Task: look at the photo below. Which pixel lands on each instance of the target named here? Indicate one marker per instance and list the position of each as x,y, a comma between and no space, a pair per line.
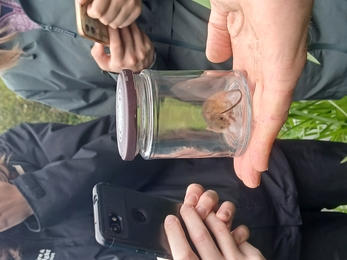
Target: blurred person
47,61
55,65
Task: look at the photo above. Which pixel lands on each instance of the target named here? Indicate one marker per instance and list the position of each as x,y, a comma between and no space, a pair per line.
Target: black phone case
130,220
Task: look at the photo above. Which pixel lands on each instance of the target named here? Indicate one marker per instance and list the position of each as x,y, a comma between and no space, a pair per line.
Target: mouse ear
208,115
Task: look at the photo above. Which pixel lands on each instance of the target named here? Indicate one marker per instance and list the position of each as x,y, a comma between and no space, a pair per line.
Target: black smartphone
131,220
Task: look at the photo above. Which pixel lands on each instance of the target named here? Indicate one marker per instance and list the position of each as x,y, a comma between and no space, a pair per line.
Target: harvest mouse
217,111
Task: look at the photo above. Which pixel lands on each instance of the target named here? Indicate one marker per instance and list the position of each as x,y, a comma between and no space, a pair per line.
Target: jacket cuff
31,191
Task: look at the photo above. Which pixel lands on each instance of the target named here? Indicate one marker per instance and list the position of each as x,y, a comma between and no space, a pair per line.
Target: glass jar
182,114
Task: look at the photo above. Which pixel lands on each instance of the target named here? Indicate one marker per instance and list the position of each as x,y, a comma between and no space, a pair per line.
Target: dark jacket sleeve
65,163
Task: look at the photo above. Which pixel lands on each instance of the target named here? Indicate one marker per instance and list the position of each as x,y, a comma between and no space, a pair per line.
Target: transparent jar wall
194,114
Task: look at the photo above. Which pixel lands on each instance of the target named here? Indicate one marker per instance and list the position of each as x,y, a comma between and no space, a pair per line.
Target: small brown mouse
217,111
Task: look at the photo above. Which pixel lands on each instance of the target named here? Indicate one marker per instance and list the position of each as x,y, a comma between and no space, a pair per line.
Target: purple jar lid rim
126,109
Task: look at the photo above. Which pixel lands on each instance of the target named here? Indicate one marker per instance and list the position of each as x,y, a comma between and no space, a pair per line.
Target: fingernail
225,213
202,212
170,219
192,200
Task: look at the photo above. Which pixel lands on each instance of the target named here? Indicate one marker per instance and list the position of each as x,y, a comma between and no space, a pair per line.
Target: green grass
14,110
320,120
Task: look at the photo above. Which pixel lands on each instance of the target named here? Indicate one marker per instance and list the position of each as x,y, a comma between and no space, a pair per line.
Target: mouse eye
221,127
221,118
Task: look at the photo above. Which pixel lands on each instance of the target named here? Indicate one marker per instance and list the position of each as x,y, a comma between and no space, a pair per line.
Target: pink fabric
17,20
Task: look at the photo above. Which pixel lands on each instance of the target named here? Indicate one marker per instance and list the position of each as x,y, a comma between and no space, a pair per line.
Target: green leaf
312,59
344,160
205,3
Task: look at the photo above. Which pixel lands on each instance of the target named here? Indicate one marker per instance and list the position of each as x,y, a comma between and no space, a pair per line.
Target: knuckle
185,211
120,64
114,24
200,237
142,54
132,61
220,228
96,12
137,10
104,21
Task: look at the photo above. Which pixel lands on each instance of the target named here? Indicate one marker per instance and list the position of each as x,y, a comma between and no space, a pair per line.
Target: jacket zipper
51,28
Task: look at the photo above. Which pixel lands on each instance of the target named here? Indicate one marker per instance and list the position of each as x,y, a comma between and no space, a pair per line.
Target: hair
8,58
4,172
8,253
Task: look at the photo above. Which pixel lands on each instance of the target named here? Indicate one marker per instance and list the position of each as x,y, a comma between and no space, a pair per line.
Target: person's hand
268,44
130,48
115,13
198,214
14,208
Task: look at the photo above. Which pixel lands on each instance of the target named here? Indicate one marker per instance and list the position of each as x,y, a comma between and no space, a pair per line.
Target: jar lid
126,107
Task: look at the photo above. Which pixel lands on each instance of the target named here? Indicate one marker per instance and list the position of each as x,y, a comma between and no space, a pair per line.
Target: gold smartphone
90,28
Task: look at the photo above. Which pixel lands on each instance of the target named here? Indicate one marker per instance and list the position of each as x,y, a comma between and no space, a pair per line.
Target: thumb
99,55
218,46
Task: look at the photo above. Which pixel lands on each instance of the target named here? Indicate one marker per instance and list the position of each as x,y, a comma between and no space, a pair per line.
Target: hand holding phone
130,48
90,28
115,13
131,220
200,220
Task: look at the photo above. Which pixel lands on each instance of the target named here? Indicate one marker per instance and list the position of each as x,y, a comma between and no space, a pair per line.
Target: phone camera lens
116,228
139,216
115,223
92,30
87,27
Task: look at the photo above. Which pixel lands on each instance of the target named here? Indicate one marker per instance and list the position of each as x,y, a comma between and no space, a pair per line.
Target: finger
223,237
127,15
148,50
218,46
130,58
272,113
208,202
240,234
98,8
226,213
99,55
109,62
179,245
199,234
137,38
114,10
244,170
248,250
193,193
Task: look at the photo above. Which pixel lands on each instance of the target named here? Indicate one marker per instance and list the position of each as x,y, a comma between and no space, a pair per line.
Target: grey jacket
58,70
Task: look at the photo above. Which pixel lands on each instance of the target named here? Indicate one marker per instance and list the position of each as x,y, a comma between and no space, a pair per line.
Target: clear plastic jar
182,114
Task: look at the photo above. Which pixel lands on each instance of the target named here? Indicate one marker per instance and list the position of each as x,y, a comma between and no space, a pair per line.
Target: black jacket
62,163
